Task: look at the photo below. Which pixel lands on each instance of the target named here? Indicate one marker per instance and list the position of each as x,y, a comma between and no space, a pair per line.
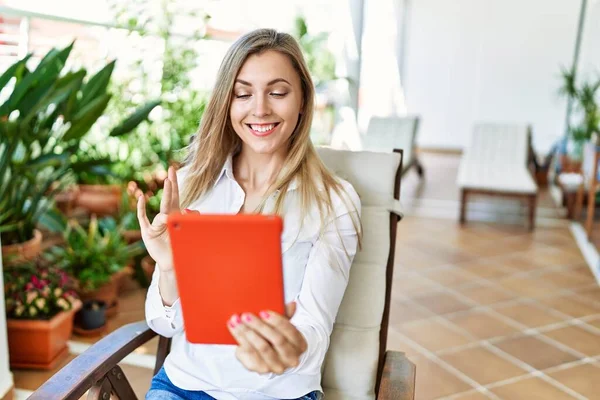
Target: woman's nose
261,107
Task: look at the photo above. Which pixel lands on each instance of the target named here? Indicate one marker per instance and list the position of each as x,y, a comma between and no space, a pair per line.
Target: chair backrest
354,360
387,133
502,145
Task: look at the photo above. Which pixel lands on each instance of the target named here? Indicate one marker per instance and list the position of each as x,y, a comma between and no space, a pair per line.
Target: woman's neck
256,172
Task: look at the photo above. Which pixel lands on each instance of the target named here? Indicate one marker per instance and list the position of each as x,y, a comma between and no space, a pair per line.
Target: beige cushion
350,368
496,160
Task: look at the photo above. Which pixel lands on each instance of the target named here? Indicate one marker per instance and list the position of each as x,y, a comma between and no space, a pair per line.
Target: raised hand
155,235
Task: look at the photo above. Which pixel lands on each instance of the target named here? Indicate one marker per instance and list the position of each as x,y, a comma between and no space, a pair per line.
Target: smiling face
266,102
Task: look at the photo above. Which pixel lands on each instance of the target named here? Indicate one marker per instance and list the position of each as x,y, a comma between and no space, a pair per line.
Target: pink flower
29,286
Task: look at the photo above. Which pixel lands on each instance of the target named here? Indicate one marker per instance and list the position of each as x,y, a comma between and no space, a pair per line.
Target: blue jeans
162,388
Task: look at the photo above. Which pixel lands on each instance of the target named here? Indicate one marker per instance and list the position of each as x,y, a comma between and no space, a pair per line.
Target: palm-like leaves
42,123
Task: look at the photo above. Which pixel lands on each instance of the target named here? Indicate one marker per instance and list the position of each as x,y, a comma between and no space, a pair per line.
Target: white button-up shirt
316,267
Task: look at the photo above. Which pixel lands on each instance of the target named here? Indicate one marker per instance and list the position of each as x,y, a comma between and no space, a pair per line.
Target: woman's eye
278,94
242,96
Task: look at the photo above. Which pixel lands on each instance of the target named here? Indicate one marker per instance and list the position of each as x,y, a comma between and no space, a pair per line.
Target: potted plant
95,258
583,122
46,115
40,306
91,317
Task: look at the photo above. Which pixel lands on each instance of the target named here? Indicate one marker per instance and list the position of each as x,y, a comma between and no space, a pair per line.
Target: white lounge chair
387,133
495,162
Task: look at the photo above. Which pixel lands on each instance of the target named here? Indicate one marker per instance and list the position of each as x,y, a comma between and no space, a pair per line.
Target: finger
287,352
290,309
165,202
261,345
175,189
141,214
286,328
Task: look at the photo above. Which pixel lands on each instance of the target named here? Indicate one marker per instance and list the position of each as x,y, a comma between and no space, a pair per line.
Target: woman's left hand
268,342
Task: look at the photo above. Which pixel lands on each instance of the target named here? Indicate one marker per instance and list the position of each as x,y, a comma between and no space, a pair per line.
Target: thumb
188,211
290,309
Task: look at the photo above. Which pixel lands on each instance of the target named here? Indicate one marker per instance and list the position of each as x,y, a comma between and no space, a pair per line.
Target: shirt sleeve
325,281
164,320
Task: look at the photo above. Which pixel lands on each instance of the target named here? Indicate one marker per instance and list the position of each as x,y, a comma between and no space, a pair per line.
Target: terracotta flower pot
19,252
40,344
99,199
148,265
66,201
106,293
132,236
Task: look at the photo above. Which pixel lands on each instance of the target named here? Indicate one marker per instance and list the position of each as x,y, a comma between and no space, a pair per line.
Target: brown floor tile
449,277
528,315
527,287
486,295
592,294
433,335
572,306
578,339
410,284
530,389
558,257
482,325
535,352
482,365
595,323
397,343
442,303
472,396
402,312
582,379
563,279
434,381
518,262
487,271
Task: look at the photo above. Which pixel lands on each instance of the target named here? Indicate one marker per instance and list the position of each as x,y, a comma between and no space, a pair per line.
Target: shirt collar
227,170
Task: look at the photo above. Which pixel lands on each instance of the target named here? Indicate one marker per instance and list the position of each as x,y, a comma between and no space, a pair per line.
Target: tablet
225,265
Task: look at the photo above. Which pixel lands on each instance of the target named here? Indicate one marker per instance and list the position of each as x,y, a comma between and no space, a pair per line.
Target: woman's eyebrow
274,81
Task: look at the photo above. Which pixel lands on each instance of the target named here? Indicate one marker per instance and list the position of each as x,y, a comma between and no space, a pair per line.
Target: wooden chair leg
463,205
532,208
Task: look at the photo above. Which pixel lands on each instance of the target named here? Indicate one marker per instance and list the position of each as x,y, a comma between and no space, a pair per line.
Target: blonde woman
253,154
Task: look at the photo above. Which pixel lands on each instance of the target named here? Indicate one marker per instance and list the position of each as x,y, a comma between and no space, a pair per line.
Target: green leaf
97,84
11,71
86,117
49,160
47,71
54,221
131,122
56,94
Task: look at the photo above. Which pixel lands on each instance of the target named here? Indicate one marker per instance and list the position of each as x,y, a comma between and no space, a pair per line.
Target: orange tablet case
225,265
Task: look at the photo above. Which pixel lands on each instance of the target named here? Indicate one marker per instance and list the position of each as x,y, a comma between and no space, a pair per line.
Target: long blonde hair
216,138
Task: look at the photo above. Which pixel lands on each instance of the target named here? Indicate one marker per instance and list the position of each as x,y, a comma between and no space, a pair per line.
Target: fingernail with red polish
264,314
231,324
237,319
248,318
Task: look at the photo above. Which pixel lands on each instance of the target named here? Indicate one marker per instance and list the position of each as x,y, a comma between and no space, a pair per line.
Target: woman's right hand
155,234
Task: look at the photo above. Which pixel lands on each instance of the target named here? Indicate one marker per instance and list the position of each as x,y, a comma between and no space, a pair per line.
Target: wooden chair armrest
75,378
398,378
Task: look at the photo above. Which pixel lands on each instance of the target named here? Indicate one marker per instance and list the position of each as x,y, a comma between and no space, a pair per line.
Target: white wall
6,380
493,60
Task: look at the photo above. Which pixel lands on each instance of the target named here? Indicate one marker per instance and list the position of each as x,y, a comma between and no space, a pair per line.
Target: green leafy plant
37,291
320,61
43,123
94,254
158,145
586,113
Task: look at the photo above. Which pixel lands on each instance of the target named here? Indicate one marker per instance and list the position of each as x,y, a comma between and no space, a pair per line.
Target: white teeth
262,128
